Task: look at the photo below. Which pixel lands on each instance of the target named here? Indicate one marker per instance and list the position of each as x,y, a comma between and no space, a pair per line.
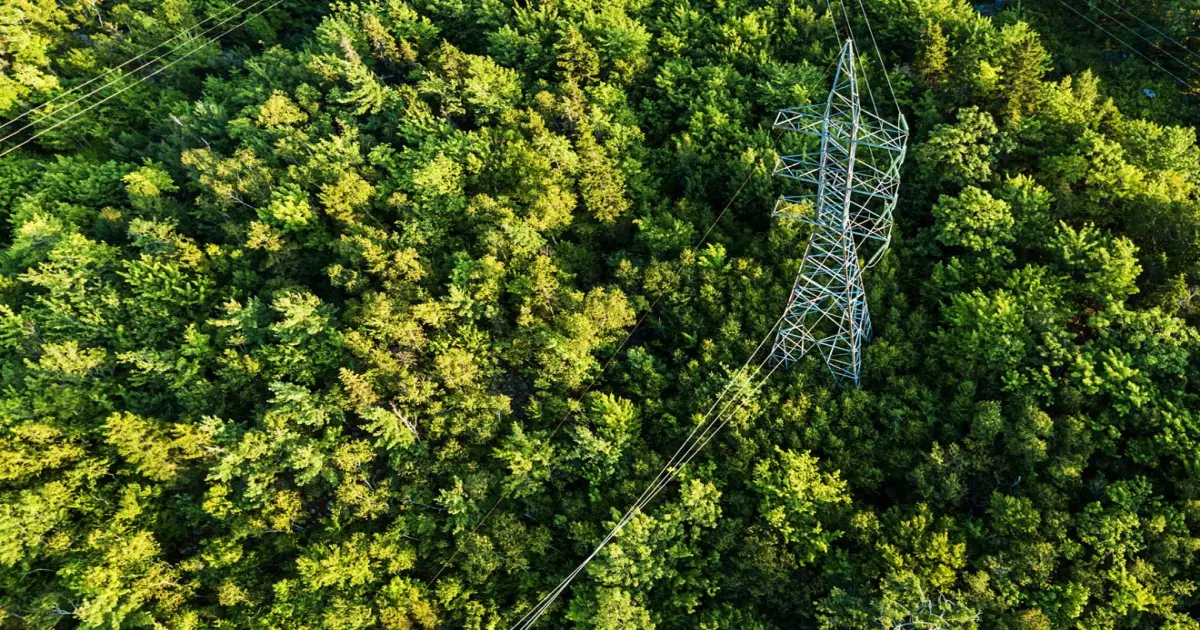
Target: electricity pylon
857,174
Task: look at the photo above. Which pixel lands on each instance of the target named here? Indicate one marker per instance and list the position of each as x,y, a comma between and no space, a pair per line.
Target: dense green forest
287,323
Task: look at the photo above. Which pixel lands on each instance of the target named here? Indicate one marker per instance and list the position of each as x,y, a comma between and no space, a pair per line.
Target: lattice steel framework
856,171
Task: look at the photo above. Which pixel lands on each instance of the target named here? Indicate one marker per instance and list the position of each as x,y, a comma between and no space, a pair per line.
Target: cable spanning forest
290,319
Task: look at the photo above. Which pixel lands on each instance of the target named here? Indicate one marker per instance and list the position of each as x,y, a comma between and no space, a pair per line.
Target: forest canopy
326,322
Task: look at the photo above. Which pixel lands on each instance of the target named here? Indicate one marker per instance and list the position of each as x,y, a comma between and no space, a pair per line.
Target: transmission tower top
864,148
856,171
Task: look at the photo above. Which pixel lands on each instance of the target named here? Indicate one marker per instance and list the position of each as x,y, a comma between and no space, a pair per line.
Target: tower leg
827,311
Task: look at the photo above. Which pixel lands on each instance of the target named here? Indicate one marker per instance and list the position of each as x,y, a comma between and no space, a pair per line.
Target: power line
854,38
504,495
1106,32
837,35
846,18
538,611
114,69
664,477
879,54
683,456
120,78
1183,63
1153,28
136,83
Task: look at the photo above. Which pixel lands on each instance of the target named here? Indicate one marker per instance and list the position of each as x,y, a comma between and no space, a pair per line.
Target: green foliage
975,221
796,499
326,324
961,153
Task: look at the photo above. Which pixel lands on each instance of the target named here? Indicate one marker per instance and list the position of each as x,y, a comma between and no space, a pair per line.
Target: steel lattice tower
856,171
